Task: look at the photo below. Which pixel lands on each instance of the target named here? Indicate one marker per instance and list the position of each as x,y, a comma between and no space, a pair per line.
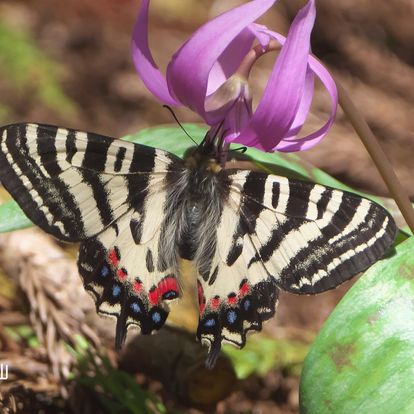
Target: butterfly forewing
73,184
311,238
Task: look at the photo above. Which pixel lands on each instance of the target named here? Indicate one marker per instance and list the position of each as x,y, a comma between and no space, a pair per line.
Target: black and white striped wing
275,232
74,184
85,187
311,238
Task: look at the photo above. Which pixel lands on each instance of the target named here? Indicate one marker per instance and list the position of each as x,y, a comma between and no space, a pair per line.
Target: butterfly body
136,210
195,198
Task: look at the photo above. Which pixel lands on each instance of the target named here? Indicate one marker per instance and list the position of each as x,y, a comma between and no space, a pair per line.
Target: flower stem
378,156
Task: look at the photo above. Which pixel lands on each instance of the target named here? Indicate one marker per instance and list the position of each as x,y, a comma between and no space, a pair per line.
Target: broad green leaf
173,139
362,361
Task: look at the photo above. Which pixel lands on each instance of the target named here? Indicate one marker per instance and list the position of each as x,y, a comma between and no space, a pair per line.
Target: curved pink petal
188,72
301,144
290,143
144,62
304,105
261,33
281,99
230,60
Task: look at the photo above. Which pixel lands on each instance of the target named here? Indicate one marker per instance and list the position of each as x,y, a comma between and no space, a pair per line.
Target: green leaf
363,358
261,354
12,217
173,139
20,333
115,390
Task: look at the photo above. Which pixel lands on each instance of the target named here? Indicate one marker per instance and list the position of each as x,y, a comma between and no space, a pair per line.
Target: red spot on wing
167,284
201,297
154,296
244,289
200,292
113,257
122,274
232,299
215,303
137,287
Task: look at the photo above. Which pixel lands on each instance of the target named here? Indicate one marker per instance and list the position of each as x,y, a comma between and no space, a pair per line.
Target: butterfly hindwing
273,233
234,298
125,278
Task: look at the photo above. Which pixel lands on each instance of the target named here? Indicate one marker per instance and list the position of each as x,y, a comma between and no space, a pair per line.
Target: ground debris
58,304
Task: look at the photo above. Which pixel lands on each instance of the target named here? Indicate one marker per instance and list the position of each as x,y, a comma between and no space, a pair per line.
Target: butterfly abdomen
194,204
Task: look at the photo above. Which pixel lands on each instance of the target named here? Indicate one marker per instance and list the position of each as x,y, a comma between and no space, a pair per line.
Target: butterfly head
199,160
211,154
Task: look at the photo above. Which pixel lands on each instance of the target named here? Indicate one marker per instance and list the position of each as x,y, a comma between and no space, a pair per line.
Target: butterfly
136,210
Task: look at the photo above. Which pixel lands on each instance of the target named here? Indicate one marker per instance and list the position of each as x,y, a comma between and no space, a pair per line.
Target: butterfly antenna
179,123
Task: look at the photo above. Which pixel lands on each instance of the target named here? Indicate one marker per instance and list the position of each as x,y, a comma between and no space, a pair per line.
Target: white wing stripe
117,195
358,218
315,196
154,204
31,141
81,142
268,194
283,195
337,261
35,196
84,198
111,160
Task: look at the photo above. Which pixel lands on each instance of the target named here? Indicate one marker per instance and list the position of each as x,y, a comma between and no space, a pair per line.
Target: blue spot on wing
116,290
209,323
135,307
104,271
246,304
171,294
231,316
156,317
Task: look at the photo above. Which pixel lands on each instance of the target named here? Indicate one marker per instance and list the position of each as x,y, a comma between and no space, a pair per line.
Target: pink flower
209,73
